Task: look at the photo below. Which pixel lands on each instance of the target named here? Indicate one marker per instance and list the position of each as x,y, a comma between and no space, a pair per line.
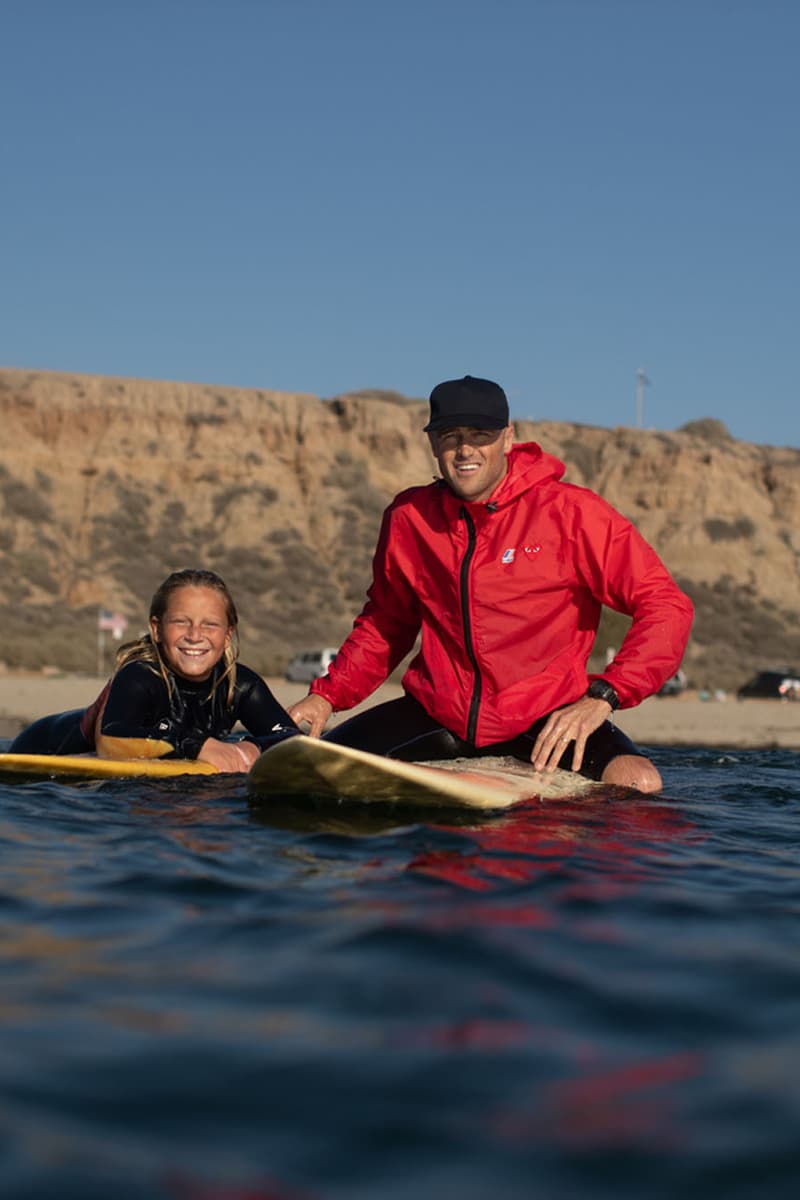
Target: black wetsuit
403,729
140,706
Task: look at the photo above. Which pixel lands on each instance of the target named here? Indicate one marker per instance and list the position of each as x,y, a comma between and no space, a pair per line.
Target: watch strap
601,689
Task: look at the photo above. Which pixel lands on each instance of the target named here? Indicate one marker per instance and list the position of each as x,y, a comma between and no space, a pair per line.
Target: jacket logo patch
532,549
508,556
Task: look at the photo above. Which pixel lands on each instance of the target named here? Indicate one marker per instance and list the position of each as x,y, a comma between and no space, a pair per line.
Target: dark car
676,684
771,685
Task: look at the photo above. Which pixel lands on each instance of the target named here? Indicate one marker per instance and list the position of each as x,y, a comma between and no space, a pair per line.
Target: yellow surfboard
88,766
303,766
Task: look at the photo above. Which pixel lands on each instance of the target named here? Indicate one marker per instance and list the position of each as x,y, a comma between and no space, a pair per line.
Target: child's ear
154,629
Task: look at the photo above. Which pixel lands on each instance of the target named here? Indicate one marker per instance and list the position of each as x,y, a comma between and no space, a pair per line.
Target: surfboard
88,766
304,766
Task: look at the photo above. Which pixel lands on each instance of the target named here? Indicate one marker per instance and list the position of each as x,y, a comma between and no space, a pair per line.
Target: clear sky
325,195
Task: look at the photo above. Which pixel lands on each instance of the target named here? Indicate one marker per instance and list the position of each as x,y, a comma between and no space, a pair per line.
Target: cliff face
108,484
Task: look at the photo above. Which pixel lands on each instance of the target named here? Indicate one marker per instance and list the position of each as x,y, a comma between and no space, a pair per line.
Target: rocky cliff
108,484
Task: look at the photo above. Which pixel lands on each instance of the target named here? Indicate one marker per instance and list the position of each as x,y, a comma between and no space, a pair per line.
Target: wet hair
145,649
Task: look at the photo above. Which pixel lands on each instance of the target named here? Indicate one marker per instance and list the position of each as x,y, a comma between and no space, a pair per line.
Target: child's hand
228,756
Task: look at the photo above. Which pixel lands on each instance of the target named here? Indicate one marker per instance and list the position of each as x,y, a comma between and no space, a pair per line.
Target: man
504,569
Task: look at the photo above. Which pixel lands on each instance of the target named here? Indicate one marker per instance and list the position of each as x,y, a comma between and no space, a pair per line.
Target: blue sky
325,195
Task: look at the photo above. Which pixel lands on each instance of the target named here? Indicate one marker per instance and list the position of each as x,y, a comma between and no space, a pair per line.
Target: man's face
472,461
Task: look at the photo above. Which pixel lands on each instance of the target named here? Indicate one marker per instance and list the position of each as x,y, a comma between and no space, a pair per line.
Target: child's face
194,631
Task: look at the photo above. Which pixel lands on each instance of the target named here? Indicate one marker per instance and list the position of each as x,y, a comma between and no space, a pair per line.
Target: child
177,692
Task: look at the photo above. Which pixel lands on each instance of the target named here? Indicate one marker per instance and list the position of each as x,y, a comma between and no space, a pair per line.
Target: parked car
309,665
673,686
772,685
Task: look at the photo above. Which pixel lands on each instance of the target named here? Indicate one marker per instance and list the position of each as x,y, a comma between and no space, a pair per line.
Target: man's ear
508,439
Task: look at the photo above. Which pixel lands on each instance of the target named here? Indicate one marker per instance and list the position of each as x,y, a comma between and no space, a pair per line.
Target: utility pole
641,383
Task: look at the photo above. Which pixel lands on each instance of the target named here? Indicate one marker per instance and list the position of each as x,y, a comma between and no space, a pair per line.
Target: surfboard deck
303,766
88,766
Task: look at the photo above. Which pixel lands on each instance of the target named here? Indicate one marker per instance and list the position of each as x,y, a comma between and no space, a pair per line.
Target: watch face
599,690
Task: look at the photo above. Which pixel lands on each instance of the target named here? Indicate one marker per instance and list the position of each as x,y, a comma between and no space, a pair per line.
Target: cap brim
467,420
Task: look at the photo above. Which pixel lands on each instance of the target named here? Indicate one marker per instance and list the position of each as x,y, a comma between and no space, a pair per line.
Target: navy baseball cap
477,403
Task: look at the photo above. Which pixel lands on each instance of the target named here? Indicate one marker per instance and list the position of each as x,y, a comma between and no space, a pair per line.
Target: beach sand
672,721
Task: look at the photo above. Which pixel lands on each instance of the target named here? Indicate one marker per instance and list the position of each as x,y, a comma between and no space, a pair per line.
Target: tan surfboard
303,766
88,766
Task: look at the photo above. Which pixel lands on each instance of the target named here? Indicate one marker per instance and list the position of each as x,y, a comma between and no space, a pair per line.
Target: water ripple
209,998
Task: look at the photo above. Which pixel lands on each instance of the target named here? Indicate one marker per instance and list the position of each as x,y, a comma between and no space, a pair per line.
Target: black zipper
475,702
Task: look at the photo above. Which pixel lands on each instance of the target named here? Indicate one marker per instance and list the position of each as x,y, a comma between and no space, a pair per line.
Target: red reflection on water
536,839
475,872
265,1189
473,1033
610,1108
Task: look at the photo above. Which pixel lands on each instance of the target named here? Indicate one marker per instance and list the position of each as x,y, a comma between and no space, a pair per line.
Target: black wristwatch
598,689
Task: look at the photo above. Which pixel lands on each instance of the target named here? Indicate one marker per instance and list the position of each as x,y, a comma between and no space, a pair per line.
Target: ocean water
203,997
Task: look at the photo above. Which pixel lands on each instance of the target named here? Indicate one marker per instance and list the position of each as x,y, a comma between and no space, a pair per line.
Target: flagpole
101,644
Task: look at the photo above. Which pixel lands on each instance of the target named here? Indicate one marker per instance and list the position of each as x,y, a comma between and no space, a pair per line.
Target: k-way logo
509,555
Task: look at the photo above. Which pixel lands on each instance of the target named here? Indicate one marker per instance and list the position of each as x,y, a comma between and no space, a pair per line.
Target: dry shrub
708,428
24,502
736,632
45,636
720,530
33,568
586,458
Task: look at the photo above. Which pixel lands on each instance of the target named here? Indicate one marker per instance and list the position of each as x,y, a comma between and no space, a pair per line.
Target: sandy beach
675,721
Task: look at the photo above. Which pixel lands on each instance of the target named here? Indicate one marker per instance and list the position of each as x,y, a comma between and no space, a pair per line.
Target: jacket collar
528,466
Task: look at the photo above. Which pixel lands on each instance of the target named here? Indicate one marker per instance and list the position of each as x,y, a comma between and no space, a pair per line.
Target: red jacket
507,595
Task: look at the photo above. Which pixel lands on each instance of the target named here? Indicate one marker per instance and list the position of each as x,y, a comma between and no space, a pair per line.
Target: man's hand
571,724
228,756
313,711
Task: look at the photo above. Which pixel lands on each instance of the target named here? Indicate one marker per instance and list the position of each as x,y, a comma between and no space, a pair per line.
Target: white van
309,665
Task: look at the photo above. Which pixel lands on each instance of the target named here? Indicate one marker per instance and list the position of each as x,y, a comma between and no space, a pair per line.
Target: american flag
115,623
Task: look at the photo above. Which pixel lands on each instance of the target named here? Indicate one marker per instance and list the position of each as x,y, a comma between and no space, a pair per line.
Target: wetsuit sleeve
265,720
383,633
136,719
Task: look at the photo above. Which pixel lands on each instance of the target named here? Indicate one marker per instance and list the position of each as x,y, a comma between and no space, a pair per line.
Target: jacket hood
528,466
